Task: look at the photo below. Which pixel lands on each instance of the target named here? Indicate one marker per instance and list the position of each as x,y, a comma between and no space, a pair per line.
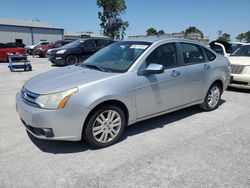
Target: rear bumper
241,81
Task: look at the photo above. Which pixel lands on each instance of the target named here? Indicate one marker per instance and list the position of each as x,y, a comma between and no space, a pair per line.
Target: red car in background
6,49
42,50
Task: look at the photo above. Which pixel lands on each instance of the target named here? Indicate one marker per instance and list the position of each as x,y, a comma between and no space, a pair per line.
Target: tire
212,99
100,130
71,60
29,68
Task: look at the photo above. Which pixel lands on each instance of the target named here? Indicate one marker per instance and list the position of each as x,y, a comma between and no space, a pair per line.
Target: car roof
95,38
160,39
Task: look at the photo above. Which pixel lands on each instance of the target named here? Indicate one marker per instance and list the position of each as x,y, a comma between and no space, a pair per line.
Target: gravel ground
187,148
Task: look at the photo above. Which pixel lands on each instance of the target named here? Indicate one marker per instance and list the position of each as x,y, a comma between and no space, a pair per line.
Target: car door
157,93
88,48
100,43
196,72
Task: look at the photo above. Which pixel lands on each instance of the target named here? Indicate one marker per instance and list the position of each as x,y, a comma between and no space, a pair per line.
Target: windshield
242,51
74,44
235,46
117,57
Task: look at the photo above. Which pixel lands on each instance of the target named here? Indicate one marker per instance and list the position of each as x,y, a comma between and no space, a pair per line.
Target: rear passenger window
89,44
192,53
210,55
101,43
164,55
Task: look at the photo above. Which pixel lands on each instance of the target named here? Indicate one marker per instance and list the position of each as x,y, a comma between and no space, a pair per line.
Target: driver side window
165,55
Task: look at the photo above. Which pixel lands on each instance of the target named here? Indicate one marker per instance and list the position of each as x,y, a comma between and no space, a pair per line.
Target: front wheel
71,60
212,98
105,126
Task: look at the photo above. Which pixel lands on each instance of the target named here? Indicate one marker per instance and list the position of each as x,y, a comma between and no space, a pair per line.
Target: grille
29,97
237,69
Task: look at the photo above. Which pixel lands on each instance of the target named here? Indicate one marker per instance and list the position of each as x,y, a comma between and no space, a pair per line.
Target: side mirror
151,69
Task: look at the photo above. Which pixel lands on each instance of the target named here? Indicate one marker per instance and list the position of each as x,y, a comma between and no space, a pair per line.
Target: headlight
55,100
61,51
247,70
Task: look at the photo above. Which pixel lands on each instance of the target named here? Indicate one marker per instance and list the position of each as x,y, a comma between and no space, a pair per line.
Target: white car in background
30,48
240,67
225,48
236,45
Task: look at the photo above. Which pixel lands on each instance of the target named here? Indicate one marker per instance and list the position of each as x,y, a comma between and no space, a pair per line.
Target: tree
244,36
224,37
193,29
151,32
219,33
240,36
111,22
247,36
161,32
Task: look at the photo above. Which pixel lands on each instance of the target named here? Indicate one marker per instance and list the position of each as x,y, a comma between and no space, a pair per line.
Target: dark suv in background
77,51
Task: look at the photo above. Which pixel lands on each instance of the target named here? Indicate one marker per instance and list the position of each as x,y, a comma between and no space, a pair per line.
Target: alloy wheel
106,126
213,96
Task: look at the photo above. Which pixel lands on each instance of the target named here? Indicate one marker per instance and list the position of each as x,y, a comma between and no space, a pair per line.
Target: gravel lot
187,148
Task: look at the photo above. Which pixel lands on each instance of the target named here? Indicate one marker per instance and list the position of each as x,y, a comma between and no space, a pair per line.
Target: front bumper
57,60
241,81
62,124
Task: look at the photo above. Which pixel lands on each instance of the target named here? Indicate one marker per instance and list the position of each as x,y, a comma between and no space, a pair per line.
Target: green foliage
240,36
111,22
152,32
247,36
224,37
244,36
193,29
161,32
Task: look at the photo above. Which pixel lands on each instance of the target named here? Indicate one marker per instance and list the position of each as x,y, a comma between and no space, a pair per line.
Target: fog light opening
48,133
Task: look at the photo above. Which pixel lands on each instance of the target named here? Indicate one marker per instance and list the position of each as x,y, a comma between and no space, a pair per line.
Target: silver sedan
124,83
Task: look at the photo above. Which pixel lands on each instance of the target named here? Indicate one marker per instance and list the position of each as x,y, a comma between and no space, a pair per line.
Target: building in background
81,35
28,32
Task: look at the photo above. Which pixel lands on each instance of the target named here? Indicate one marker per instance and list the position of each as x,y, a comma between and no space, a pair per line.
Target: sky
210,16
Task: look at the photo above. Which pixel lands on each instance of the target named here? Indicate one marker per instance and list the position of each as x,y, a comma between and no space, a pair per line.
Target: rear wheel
71,60
105,126
212,98
41,55
28,68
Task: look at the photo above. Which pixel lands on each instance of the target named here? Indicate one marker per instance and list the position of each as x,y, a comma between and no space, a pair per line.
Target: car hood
239,60
65,78
64,48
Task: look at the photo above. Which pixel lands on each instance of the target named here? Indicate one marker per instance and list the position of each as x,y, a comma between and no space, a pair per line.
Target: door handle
175,73
206,66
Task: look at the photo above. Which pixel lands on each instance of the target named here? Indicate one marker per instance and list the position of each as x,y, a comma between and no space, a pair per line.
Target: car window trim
203,48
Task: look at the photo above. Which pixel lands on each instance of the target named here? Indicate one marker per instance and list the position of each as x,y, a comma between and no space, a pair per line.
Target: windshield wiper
94,66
